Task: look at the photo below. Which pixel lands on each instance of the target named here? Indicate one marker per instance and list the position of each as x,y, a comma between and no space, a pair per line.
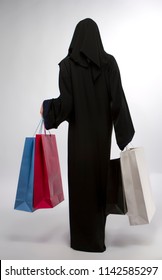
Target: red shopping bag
48,191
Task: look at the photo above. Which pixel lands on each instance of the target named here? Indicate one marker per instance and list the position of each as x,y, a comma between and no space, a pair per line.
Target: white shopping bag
139,199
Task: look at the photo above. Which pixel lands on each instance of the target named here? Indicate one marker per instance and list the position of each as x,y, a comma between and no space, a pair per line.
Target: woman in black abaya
92,101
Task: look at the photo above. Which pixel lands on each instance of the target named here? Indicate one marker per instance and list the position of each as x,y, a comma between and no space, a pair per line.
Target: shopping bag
139,199
24,195
115,196
48,191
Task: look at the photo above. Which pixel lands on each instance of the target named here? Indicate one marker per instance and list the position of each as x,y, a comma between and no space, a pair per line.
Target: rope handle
41,128
129,147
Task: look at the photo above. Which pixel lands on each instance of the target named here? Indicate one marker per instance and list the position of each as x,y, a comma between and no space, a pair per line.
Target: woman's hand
41,110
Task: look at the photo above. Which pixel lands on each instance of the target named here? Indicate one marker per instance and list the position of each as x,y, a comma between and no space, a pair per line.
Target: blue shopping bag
24,195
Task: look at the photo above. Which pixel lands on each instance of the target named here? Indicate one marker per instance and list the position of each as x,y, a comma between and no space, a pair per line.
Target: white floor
44,234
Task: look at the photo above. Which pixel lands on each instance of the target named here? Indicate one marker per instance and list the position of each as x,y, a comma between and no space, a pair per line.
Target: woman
92,101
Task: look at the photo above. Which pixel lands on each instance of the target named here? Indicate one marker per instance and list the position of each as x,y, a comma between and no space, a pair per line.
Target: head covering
86,46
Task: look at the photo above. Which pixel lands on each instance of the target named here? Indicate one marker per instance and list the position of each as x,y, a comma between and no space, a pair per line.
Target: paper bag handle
41,128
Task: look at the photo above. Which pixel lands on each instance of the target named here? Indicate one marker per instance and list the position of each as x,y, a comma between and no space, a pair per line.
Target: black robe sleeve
123,126
57,110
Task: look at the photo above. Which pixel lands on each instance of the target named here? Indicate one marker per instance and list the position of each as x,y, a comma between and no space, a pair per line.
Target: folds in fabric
50,109
24,195
86,47
60,109
115,196
122,121
48,191
140,203
123,126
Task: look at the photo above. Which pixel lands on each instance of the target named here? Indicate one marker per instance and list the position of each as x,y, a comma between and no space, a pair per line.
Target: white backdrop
35,36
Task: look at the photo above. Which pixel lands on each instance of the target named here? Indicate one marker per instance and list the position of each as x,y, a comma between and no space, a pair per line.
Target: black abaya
91,100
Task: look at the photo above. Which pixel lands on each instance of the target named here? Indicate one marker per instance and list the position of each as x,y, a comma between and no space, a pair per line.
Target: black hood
86,46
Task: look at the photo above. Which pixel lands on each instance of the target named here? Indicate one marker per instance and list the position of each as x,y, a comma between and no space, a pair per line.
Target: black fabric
115,196
91,104
86,46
